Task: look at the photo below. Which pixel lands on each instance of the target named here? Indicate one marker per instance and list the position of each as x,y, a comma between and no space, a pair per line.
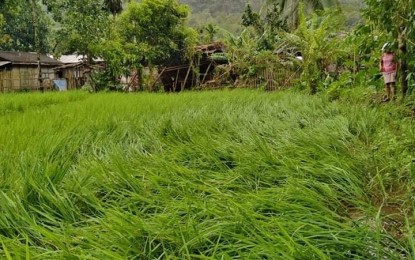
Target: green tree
22,25
319,45
155,30
397,19
113,51
3,35
266,27
211,30
82,26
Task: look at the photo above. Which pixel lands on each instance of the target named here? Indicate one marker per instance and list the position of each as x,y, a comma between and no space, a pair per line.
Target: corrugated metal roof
70,59
73,58
4,63
26,58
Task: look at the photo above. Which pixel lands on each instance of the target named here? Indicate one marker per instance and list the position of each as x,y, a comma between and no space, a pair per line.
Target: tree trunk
89,59
403,66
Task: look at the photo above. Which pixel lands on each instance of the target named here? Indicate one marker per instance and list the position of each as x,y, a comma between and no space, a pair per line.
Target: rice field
212,175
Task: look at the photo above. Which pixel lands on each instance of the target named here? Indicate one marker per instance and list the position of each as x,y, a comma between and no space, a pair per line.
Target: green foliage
316,39
389,16
319,44
113,52
291,8
103,80
155,30
397,20
207,33
279,175
251,18
266,28
83,25
3,35
19,29
252,52
361,65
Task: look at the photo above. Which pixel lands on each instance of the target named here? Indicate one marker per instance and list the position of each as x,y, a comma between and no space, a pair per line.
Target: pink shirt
388,62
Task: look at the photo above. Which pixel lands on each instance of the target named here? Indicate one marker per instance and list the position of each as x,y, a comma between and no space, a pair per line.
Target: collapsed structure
196,71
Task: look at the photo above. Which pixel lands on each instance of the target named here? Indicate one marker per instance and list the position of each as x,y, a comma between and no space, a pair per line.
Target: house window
45,74
77,73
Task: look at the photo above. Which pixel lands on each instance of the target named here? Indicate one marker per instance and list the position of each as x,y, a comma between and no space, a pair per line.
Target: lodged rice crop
211,175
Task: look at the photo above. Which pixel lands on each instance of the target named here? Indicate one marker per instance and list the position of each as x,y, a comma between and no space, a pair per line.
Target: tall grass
214,175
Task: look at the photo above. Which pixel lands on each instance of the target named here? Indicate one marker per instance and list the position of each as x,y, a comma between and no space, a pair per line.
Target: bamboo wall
25,78
74,77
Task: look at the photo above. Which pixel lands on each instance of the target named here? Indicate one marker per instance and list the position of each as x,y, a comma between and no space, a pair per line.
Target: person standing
388,68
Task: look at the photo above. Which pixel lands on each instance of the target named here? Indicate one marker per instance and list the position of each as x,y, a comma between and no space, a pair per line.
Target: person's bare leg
392,90
388,91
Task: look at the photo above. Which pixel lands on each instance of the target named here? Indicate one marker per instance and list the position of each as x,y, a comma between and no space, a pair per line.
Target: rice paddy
213,175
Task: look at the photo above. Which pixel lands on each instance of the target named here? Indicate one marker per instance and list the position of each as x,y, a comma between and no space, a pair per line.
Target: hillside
227,14
220,6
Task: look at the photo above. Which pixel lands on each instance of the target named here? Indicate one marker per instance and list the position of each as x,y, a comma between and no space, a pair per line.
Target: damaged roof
211,48
26,58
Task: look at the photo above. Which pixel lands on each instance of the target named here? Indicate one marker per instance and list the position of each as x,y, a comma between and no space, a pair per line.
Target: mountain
224,13
227,13
221,6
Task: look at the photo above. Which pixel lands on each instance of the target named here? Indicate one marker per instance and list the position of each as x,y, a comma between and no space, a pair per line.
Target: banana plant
318,42
290,8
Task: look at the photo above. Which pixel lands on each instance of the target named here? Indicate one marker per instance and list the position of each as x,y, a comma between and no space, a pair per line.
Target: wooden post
206,72
187,75
175,81
158,77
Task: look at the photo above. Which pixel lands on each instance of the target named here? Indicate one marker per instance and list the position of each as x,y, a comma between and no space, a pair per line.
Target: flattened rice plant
213,175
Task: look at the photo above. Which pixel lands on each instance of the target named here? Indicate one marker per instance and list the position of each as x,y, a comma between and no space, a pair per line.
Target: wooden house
19,71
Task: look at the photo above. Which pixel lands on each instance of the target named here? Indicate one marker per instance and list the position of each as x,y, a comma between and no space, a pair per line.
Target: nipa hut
19,71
